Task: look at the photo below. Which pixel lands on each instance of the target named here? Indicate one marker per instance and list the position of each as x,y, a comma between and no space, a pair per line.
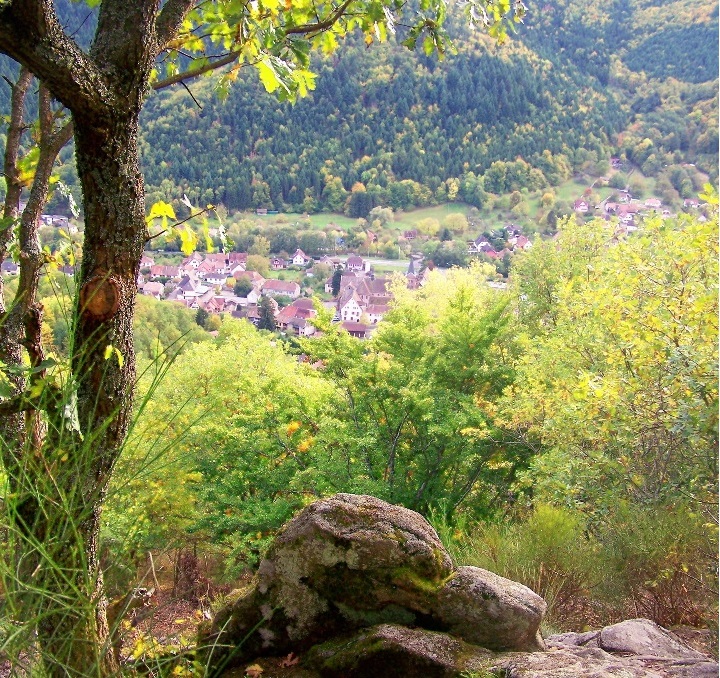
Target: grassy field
405,221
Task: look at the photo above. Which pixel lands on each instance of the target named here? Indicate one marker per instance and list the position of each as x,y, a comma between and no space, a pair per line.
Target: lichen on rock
353,561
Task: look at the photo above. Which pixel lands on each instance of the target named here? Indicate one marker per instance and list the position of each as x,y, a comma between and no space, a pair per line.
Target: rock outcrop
389,649
358,588
353,562
636,648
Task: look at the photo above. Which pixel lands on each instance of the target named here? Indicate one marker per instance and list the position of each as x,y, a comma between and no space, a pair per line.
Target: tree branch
169,20
304,29
31,34
194,73
12,151
320,26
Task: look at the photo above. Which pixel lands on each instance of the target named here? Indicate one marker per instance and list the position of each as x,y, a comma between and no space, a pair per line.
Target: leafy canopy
277,37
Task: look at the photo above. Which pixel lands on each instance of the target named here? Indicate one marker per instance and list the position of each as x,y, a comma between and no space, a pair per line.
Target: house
691,203
359,330
213,304
488,250
160,271
188,288
193,261
57,220
301,327
300,258
154,289
355,263
237,258
253,276
653,203
334,262
479,245
372,287
523,243
210,266
277,264
581,206
9,267
275,288
217,278
629,209
349,306
376,312
146,261
410,235
295,317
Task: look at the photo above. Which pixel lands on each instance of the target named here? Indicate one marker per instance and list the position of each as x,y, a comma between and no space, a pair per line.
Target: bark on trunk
62,485
72,639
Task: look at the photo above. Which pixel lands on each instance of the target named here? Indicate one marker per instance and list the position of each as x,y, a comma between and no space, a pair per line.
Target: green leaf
6,390
268,76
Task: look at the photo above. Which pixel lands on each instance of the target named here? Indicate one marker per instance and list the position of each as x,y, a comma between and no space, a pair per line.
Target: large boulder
636,648
645,638
352,562
488,610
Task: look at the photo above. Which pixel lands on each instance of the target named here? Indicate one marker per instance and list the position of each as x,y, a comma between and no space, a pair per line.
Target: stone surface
351,562
644,637
392,650
592,662
488,610
586,639
636,648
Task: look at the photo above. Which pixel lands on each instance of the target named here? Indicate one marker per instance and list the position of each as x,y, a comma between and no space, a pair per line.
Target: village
209,281
220,283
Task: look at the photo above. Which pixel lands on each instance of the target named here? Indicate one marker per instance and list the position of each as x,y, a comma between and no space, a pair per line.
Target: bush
549,553
663,560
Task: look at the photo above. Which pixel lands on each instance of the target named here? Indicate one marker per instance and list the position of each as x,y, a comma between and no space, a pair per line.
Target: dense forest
576,84
568,91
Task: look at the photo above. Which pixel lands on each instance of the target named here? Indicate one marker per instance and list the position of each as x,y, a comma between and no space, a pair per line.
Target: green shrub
549,553
663,560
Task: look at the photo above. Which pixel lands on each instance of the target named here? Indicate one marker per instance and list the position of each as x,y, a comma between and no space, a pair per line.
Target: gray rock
396,651
589,638
636,648
344,563
352,562
592,662
645,637
488,610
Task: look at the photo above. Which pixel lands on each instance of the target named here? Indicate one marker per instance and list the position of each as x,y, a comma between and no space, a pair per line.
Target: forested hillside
577,84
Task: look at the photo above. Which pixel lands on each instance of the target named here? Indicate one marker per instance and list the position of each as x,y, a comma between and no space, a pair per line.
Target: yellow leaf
268,77
254,671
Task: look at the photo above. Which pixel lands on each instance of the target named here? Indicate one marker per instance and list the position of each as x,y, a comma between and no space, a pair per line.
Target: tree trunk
103,365
59,487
